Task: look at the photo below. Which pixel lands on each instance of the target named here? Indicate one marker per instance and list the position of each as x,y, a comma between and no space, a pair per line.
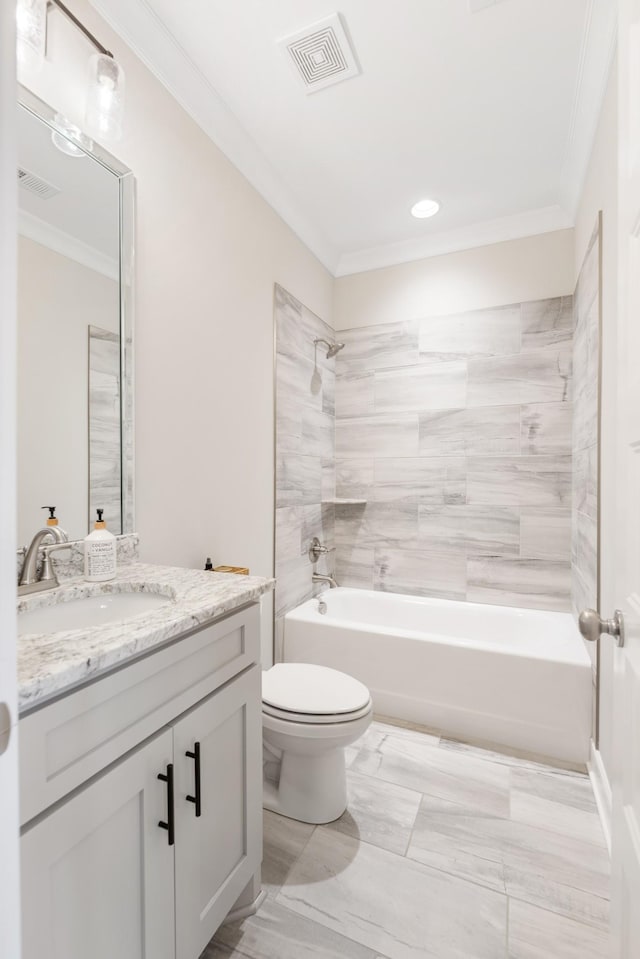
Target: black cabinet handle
197,799
170,824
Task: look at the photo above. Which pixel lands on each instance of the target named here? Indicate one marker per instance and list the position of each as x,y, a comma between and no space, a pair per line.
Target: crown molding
152,43
545,220
596,58
60,242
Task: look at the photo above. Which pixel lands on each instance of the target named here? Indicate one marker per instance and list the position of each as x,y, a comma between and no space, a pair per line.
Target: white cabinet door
218,851
97,873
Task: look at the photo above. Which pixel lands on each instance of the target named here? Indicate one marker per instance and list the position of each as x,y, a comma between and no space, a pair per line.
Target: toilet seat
291,717
307,693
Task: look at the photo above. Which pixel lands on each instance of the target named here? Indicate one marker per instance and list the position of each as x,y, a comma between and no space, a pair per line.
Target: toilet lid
311,689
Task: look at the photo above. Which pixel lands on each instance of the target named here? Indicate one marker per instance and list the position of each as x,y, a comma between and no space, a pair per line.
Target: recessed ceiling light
425,208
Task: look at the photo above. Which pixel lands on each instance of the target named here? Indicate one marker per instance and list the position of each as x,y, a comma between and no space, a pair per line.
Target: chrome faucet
320,578
29,581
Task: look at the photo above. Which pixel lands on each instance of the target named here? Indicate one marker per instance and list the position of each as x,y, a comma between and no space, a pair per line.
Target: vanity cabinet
146,858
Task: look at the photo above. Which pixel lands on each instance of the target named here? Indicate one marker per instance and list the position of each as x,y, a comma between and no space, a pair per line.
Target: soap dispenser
52,519
99,553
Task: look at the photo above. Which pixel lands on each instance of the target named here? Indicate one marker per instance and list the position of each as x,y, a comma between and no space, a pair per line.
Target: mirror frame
126,193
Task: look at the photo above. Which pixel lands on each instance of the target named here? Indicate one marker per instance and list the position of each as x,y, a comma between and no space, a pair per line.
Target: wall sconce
105,92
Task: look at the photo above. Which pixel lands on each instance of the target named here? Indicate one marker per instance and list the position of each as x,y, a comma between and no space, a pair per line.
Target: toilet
309,715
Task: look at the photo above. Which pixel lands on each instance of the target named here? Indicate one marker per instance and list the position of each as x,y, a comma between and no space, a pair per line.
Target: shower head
335,348
332,348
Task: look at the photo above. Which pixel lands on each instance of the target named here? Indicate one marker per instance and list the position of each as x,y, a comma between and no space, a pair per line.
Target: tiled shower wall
305,451
586,363
457,432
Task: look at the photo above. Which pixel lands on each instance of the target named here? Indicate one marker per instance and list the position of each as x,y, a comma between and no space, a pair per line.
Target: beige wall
56,297
208,251
535,268
599,193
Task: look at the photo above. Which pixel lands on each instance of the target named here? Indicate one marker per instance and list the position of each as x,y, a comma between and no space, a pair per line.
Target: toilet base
312,789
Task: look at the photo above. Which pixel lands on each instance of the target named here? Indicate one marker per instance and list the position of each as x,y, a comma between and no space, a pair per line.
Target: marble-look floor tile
519,480
547,323
539,377
558,897
557,785
437,479
378,812
475,530
438,773
545,533
434,386
515,758
488,332
381,728
420,572
546,428
277,932
431,915
283,842
488,430
538,934
531,583
461,828
556,816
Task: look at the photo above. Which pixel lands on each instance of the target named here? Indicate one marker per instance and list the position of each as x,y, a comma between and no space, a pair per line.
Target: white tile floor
445,851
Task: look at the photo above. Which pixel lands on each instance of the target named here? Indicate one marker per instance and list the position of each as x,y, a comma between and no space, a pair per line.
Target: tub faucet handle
316,550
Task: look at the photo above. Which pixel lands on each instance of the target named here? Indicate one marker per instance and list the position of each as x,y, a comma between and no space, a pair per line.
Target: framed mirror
75,327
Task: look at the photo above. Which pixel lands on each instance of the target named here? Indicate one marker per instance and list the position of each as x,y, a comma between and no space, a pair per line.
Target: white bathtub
514,677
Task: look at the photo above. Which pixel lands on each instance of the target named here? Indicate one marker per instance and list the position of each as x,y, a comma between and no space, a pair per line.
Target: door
626,772
97,872
217,755
9,822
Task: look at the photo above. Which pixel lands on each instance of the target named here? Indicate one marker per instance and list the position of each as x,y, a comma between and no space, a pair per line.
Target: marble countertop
53,663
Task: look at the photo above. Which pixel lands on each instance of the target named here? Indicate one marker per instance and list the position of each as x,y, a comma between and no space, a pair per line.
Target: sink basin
98,610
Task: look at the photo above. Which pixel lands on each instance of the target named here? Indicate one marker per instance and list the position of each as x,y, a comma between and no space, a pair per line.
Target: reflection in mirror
74,330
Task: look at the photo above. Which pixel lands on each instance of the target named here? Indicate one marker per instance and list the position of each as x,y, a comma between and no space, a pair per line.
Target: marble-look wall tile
532,583
540,377
305,448
483,430
354,477
472,423
420,572
519,480
545,534
391,524
355,394
379,347
546,428
492,332
547,323
355,566
380,435
440,479
435,386
475,530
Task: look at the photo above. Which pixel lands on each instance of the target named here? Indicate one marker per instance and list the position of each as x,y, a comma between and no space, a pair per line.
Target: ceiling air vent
321,54
35,184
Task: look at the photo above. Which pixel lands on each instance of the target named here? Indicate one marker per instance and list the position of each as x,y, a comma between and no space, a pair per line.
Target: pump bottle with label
99,553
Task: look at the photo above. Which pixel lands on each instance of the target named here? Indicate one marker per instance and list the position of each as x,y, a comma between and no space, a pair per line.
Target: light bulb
425,208
31,32
69,138
105,98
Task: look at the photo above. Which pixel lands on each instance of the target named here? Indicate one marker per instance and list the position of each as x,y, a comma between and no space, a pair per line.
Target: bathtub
519,678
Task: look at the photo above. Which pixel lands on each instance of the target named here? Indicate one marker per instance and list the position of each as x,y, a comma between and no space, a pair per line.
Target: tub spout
319,578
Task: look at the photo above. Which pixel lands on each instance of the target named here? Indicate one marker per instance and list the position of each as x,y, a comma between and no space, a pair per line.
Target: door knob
591,626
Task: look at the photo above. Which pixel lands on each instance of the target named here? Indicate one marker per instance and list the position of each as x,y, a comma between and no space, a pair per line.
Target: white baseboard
602,792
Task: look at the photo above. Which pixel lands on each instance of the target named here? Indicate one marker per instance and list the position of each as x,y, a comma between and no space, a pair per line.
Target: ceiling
488,106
